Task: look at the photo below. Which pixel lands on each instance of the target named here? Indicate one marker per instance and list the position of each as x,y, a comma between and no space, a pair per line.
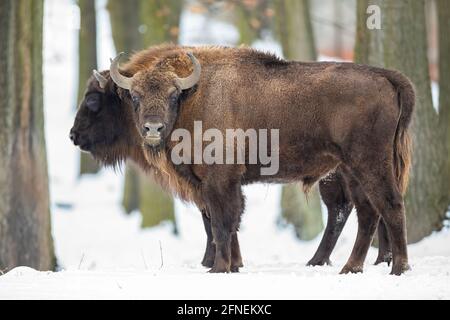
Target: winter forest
71,227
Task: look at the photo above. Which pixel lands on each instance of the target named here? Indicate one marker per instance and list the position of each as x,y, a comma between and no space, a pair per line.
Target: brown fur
329,115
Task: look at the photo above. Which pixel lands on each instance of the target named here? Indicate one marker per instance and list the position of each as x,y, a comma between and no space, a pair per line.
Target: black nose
73,136
153,128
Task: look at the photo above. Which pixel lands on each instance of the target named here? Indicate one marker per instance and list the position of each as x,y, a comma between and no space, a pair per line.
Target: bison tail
402,158
402,141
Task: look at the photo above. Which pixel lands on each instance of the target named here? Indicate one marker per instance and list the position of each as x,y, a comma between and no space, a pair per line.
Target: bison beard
358,152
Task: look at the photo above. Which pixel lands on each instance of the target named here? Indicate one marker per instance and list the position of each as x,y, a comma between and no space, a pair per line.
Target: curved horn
120,80
190,81
102,81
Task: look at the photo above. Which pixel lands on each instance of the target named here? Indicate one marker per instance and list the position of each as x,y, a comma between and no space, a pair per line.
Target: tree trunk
425,201
246,33
369,43
25,229
124,16
295,30
87,52
252,18
302,211
132,27
155,204
296,36
402,44
443,9
160,21
131,194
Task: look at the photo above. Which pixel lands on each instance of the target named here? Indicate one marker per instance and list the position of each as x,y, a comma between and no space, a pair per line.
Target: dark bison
328,115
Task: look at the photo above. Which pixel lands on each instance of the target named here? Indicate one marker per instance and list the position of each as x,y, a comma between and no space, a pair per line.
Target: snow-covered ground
103,253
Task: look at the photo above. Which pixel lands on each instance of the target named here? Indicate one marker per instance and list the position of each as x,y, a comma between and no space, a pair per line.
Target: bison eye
93,103
173,99
135,100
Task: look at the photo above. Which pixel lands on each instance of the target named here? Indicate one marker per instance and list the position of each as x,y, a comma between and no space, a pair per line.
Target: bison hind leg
335,195
367,224
384,245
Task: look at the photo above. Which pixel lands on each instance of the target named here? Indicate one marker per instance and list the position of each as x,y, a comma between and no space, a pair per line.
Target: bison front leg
225,204
210,252
236,259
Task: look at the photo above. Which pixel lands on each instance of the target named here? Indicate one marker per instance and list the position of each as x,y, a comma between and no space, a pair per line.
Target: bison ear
102,81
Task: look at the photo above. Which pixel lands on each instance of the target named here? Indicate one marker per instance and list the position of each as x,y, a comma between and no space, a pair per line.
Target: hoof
318,262
235,265
351,269
387,257
215,269
209,263
399,269
234,269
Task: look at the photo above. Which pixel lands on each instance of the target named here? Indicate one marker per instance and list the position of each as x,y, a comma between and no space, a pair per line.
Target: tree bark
160,20
405,46
124,17
132,27
131,195
87,52
252,18
443,9
402,44
302,211
25,229
294,29
246,33
369,43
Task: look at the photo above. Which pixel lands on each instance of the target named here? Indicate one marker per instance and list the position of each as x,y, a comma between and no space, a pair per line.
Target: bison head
155,95
103,125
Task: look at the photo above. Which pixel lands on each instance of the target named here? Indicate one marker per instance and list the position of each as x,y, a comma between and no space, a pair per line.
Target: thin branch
161,253
81,261
346,31
143,258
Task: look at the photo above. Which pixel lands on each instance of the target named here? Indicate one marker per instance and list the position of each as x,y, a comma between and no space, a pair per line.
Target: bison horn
102,81
190,81
120,80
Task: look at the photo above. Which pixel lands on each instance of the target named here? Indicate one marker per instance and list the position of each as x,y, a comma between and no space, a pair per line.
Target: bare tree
87,61
294,29
443,9
401,44
160,20
25,230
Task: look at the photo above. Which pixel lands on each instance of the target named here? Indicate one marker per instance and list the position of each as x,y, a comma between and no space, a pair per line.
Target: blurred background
58,208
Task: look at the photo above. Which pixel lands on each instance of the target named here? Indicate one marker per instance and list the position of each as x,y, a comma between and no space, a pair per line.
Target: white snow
103,253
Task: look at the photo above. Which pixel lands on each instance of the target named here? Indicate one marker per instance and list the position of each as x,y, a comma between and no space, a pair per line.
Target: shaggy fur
329,115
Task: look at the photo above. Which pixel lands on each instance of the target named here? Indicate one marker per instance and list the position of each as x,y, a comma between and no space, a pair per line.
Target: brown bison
328,115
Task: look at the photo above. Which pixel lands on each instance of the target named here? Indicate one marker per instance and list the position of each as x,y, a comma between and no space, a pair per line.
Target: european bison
103,127
328,114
